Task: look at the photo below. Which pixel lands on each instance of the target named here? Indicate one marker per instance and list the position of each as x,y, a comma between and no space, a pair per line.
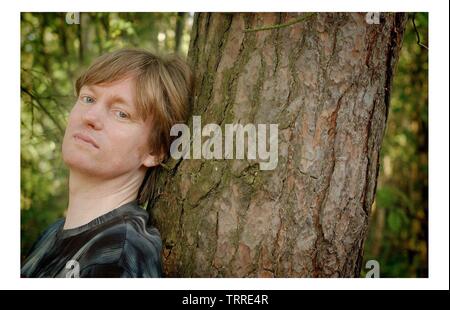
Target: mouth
85,139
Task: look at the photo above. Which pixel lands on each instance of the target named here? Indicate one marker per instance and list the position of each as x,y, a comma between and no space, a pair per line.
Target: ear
151,161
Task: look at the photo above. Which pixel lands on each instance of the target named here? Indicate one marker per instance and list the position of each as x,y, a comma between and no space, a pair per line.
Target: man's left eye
122,115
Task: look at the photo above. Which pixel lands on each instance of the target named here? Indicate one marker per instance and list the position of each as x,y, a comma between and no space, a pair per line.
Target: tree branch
42,107
417,32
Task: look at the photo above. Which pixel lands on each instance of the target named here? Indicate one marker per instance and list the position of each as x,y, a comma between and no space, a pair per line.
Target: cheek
69,128
129,148
72,120
122,160
76,113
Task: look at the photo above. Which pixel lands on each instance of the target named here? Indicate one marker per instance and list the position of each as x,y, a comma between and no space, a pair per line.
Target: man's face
105,137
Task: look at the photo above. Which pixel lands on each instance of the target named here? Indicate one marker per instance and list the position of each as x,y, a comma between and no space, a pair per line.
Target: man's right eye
87,99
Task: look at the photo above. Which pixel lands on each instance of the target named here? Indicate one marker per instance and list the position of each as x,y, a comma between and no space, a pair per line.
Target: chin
76,163
74,159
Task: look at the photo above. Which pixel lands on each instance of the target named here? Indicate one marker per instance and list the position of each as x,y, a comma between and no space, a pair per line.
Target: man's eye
87,99
122,115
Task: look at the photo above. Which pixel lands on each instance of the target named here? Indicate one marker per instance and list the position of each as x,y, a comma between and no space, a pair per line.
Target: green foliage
53,54
398,237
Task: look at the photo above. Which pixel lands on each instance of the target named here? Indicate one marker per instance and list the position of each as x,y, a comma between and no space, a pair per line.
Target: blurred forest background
54,53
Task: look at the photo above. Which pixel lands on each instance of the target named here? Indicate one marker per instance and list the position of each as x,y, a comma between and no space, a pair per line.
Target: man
117,135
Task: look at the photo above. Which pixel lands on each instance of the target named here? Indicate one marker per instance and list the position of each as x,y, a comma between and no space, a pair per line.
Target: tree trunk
326,82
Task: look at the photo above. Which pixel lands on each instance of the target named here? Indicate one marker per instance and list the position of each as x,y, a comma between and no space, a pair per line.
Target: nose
92,116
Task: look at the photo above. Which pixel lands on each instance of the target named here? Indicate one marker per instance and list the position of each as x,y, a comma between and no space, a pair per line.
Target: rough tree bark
326,81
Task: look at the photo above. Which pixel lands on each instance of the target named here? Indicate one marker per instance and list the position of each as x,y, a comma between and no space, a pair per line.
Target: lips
86,139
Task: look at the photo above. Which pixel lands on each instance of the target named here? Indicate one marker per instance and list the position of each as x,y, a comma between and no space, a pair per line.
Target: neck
90,197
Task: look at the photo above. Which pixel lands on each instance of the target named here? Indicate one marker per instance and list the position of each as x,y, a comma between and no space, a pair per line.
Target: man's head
127,101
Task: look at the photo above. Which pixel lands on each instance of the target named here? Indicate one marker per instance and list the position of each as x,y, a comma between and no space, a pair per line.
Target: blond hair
163,90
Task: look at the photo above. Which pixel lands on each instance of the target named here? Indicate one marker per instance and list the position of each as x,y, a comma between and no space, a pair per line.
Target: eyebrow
121,100
88,88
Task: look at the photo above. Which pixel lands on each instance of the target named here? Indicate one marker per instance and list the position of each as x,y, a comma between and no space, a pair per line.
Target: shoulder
40,248
128,231
138,232
47,235
141,255
126,248
53,229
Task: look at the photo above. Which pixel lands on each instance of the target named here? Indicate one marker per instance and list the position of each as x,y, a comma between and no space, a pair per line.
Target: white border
438,151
